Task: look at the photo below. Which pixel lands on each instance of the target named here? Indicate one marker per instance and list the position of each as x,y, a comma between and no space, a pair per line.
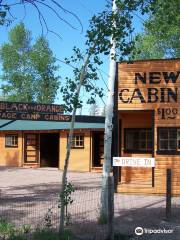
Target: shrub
6,229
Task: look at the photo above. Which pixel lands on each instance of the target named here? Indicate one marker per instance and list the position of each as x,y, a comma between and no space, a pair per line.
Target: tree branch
62,19
42,19
71,13
70,65
41,16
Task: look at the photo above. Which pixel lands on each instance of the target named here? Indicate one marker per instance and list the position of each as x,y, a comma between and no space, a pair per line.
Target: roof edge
146,60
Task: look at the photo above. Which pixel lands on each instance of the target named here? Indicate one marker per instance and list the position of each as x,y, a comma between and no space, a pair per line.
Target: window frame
143,151
166,151
11,135
74,146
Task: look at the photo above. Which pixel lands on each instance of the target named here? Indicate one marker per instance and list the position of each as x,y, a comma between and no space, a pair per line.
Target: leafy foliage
147,47
164,24
98,42
48,219
6,229
161,38
65,196
117,26
10,232
28,70
69,92
43,63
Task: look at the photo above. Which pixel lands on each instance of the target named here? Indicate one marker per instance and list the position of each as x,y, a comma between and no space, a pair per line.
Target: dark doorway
98,149
49,150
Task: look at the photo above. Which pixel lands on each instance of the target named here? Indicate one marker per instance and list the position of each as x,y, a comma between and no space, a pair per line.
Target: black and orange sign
34,116
32,111
31,107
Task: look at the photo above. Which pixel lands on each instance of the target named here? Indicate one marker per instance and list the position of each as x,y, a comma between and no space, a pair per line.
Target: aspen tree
108,124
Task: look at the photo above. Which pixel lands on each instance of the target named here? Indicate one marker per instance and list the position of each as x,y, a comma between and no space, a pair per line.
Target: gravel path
26,195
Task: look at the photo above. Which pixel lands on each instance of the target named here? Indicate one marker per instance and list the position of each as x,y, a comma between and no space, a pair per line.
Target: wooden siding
135,120
79,157
11,156
135,180
126,80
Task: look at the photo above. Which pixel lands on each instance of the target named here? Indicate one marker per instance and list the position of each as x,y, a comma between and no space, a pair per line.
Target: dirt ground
29,181
27,196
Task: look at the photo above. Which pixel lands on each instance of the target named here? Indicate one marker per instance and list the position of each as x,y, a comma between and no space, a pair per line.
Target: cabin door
49,150
98,149
31,148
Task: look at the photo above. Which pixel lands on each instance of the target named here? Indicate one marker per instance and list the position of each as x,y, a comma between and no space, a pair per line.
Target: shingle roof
9,125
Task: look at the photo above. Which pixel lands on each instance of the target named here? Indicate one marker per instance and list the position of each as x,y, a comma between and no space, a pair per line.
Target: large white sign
133,162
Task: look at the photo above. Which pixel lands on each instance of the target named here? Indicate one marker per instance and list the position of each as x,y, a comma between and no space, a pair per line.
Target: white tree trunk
108,128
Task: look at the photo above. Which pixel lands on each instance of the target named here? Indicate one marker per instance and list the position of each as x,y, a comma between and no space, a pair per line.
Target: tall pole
108,125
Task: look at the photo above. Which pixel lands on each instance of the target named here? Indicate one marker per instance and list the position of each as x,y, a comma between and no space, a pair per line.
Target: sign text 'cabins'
154,84
133,162
153,94
32,111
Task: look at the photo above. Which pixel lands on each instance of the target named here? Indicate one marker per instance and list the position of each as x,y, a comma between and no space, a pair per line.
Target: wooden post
66,205
115,139
168,194
110,208
153,123
152,176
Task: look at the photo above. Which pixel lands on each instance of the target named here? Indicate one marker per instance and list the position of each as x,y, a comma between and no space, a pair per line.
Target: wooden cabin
147,124
35,144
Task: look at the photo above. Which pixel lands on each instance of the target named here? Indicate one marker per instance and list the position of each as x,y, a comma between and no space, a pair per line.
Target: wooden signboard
19,107
133,162
32,111
34,116
41,112
150,85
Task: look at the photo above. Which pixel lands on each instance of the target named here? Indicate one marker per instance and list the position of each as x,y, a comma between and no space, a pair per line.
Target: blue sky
62,48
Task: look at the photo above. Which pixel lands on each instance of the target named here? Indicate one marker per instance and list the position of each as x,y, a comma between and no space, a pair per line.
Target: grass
9,232
120,236
6,229
50,235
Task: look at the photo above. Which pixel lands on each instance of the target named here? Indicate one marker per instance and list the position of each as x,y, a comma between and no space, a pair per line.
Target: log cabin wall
149,97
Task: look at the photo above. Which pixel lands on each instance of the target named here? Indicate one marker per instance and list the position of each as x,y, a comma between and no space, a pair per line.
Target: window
31,139
138,140
11,140
169,140
78,141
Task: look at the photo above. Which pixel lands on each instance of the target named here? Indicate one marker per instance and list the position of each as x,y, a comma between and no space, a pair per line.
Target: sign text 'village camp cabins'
32,111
